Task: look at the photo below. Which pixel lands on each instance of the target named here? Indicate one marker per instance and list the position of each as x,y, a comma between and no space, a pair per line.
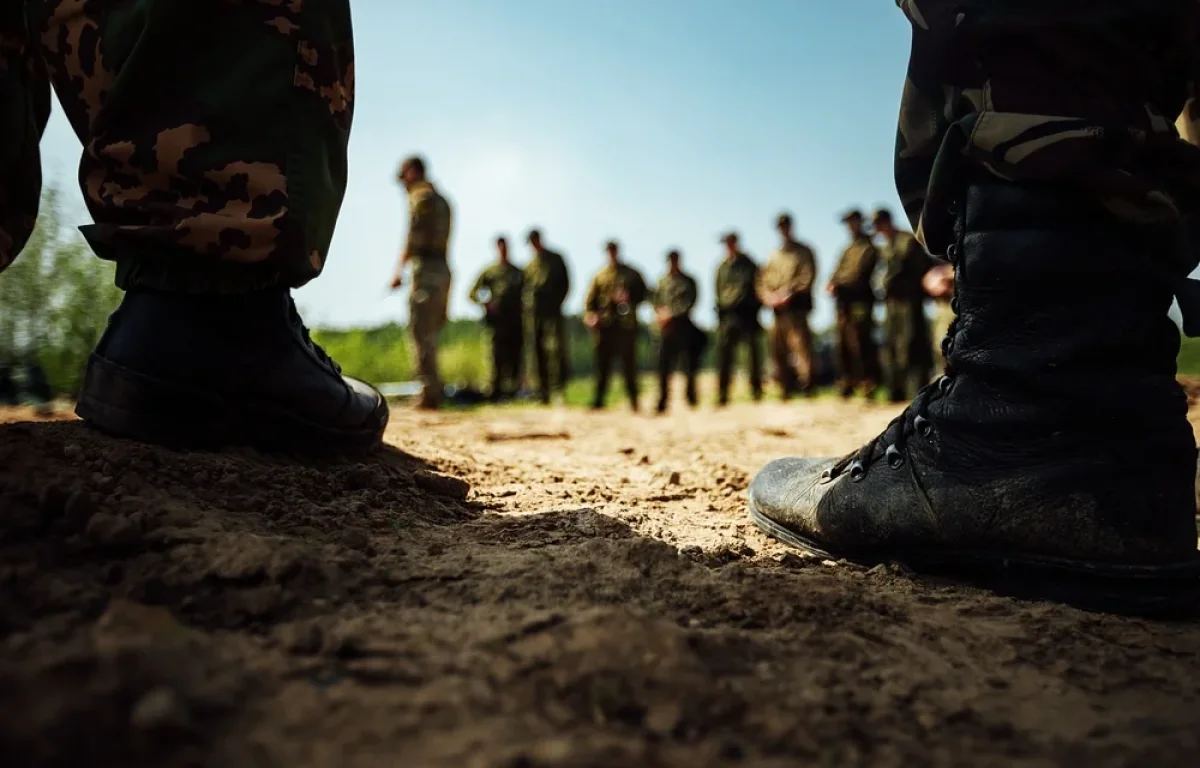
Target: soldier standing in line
547,284
850,287
674,297
498,291
426,251
785,287
737,318
906,329
610,312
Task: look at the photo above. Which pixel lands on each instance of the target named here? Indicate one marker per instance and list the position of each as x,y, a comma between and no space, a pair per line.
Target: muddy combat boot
208,371
1054,459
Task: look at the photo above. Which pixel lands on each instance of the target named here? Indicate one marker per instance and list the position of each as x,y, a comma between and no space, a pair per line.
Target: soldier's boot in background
218,370
8,387
1055,458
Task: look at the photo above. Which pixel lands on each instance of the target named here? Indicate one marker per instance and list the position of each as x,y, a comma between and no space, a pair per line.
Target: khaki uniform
737,322
498,289
858,356
906,329
679,338
428,241
547,284
614,297
790,271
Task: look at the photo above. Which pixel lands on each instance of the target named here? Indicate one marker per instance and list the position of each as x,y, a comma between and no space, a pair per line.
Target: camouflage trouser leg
214,133
427,307
792,344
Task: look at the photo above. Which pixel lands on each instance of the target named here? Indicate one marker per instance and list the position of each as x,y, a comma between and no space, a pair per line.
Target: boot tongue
1187,293
302,331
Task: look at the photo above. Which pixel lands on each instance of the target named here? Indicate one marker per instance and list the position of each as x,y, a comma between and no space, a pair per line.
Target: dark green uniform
613,298
679,338
547,284
858,356
906,329
499,291
737,322
214,134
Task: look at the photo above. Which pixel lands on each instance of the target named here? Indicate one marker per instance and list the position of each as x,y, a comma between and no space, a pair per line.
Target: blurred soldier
906,329
214,168
939,285
737,317
426,252
498,291
785,287
679,338
610,312
547,284
850,286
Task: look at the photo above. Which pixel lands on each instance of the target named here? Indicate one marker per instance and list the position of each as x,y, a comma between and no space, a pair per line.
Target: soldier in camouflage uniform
938,284
679,338
1048,151
610,312
785,285
854,297
906,329
547,284
214,163
498,290
737,318
426,252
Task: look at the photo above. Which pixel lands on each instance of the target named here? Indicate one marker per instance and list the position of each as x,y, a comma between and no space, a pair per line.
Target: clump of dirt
200,609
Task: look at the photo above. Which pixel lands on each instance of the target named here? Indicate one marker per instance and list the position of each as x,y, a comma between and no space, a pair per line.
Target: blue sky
658,122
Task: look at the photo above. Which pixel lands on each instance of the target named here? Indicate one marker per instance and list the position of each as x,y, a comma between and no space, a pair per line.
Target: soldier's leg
562,353
602,350
726,347
802,347
214,164
627,338
844,349
542,332
778,342
517,357
499,362
1054,458
896,340
691,350
666,360
754,345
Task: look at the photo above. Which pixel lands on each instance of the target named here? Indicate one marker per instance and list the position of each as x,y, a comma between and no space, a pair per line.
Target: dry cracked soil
523,588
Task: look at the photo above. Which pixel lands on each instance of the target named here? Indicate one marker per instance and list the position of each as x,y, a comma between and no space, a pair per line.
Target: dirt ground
591,595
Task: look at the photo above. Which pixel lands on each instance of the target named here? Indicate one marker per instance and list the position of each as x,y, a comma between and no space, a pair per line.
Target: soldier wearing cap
854,298
906,329
498,290
785,287
679,338
737,317
547,284
426,252
610,313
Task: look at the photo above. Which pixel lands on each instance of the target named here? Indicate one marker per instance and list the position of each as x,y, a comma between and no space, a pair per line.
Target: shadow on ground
166,608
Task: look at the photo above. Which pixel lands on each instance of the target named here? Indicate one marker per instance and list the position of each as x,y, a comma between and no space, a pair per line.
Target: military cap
881,214
673,254
728,237
533,234
412,162
783,220
852,215
611,245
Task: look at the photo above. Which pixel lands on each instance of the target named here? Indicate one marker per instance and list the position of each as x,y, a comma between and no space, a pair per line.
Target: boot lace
298,324
891,444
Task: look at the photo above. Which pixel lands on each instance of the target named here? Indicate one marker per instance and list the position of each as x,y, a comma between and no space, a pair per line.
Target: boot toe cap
367,407
787,492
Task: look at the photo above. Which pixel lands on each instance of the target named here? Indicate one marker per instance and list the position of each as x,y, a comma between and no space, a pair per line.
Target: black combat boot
212,371
1054,459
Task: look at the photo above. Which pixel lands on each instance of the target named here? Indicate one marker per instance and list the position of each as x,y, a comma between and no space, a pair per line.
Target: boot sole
1170,590
127,404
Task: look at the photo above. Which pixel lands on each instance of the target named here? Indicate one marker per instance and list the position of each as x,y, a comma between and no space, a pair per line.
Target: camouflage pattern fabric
792,350
852,277
905,262
500,285
857,352
737,298
428,228
615,295
214,132
1090,94
547,284
791,269
427,308
908,347
676,294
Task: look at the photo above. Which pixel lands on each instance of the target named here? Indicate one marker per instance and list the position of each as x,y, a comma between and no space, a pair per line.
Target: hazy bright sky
657,122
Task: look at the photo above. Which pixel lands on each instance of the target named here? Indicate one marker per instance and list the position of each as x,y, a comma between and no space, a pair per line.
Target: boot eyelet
952,208
924,428
895,459
952,253
954,305
947,343
945,384
826,476
857,471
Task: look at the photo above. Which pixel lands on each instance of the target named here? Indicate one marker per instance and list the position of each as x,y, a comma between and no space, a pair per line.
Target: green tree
55,299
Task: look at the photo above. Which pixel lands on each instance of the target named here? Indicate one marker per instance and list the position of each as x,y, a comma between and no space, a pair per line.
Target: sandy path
595,599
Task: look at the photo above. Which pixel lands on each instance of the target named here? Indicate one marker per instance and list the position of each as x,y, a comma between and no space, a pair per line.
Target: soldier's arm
591,302
478,286
640,291
806,272
24,103
690,295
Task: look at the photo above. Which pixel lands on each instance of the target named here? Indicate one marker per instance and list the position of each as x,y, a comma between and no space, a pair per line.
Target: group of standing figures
880,263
